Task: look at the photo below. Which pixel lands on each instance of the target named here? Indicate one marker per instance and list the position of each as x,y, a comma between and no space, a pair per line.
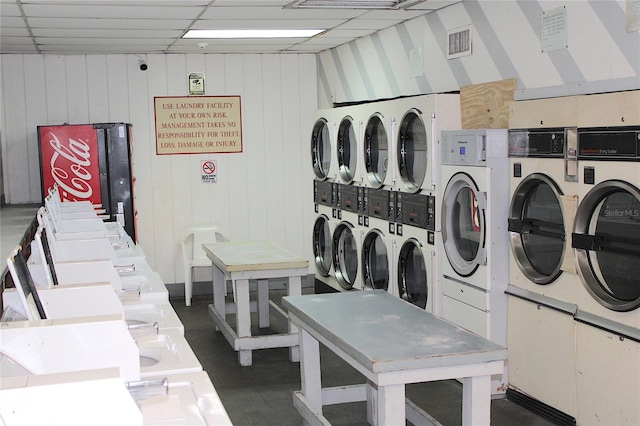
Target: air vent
459,42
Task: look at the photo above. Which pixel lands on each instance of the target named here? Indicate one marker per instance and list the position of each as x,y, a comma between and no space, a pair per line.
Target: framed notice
206,124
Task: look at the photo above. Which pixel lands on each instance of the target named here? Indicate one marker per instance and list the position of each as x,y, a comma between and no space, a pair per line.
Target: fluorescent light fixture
252,33
353,4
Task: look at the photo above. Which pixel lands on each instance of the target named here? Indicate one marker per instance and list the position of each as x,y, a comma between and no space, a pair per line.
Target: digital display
463,150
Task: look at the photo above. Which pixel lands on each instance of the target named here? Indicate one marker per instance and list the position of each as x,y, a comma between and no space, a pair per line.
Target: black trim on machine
540,408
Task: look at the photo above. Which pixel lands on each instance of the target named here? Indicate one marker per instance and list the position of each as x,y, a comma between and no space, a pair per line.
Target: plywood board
486,105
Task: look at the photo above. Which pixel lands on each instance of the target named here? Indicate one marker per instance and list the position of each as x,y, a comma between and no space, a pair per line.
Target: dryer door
536,224
375,261
412,150
413,278
606,240
345,255
463,225
322,245
321,149
376,151
347,150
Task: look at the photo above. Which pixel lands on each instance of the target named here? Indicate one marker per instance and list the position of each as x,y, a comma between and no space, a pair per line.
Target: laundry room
475,159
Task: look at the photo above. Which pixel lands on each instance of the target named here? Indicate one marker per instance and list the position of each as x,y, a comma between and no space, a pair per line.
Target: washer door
375,261
606,239
321,149
412,273
322,245
536,224
376,151
345,255
347,150
463,225
412,149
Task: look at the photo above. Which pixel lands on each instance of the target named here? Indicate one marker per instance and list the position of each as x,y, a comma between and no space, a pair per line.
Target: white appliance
415,217
474,237
606,241
325,193
544,285
378,143
420,120
378,252
323,161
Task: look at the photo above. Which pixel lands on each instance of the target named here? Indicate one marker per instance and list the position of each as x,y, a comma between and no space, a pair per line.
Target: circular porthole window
606,240
322,245
536,225
412,274
412,151
345,255
347,150
375,261
321,149
376,151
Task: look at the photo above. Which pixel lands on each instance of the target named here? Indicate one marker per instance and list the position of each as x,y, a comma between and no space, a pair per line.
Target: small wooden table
392,343
241,261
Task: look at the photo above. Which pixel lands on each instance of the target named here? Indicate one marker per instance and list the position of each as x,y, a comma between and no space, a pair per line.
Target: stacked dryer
474,238
324,197
416,177
543,282
606,244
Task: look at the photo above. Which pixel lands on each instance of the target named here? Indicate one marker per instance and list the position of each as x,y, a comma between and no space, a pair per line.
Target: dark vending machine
91,162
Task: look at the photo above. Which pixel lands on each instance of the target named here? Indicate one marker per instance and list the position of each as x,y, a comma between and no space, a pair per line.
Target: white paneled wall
261,193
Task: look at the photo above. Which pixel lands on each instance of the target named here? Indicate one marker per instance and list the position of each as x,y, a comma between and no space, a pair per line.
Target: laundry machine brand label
609,144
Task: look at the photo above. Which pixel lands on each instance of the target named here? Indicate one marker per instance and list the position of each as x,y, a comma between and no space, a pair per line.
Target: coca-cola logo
72,181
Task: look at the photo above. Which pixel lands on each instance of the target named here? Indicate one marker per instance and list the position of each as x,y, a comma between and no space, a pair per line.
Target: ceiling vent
353,4
459,42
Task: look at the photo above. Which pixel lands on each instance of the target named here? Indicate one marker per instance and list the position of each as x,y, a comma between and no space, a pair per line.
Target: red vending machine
90,162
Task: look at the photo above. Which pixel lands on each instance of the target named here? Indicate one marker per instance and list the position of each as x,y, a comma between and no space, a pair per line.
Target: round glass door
606,240
463,225
412,274
412,150
376,151
321,149
347,150
322,245
345,255
375,261
536,225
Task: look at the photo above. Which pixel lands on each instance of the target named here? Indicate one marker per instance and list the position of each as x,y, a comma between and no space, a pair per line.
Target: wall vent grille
459,42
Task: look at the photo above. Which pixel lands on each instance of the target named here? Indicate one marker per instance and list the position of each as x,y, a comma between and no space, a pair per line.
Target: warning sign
209,170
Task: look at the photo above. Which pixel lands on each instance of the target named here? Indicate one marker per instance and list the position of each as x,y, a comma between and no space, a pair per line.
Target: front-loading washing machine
378,252
542,295
323,151
415,217
474,237
378,142
325,196
420,120
606,243
347,237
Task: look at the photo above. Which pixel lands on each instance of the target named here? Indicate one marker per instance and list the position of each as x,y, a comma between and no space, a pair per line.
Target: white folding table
241,261
392,343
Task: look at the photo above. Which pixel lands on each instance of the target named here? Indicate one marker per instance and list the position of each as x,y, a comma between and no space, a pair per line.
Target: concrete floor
262,393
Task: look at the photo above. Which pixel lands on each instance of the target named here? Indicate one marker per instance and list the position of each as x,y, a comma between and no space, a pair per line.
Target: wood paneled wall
262,193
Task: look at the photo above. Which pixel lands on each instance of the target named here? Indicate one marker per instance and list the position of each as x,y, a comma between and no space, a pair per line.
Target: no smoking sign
209,171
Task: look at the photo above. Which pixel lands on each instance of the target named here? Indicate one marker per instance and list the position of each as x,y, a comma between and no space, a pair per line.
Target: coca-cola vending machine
90,162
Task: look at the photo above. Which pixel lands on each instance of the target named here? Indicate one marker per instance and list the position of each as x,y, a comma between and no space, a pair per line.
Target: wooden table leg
476,400
390,406
219,284
310,376
294,289
243,318
263,303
